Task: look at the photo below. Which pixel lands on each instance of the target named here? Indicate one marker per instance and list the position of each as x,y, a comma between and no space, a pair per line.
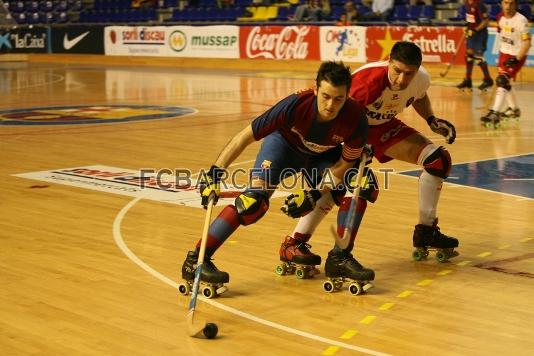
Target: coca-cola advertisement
438,44
279,42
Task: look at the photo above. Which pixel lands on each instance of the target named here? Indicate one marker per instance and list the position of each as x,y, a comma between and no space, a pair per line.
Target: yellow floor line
386,306
463,263
444,272
330,350
232,242
348,334
424,282
368,319
484,254
526,239
502,247
405,294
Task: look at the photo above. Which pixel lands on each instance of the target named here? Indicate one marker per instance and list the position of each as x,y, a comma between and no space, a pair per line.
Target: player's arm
262,126
442,127
485,18
235,147
210,181
423,107
525,46
337,173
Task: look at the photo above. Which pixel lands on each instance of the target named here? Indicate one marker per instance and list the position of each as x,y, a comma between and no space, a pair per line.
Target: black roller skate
211,279
427,238
465,85
486,83
492,120
342,267
510,113
296,257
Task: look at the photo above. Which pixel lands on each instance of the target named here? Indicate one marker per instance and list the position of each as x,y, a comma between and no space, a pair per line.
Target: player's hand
210,187
510,62
468,32
300,203
443,128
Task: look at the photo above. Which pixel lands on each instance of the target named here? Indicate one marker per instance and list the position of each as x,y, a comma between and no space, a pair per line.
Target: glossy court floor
90,265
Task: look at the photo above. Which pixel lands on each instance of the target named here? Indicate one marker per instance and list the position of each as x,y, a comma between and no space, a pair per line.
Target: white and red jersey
370,88
513,31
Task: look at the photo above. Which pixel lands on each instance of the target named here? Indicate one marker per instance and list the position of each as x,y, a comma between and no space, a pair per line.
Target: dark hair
335,73
407,52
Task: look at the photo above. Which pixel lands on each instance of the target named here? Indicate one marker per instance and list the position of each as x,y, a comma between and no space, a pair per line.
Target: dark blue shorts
478,42
278,160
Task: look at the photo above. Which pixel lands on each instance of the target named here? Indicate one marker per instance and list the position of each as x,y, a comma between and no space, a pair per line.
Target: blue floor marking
512,175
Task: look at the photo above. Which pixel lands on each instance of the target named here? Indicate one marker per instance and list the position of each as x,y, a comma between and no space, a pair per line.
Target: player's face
400,74
508,7
330,100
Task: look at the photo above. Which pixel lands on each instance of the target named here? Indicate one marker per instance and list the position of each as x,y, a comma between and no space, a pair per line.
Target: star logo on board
386,44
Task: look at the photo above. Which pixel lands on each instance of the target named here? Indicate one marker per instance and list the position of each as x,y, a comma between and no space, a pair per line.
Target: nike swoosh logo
68,44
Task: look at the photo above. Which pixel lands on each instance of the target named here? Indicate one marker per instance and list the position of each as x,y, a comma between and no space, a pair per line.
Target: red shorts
383,136
511,71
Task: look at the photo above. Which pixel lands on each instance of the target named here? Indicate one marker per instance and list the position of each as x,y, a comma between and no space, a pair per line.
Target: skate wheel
280,269
497,125
488,125
355,289
300,273
441,256
418,255
208,292
328,287
184,288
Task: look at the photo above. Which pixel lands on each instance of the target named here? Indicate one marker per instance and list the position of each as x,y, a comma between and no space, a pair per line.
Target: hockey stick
343,242
194,329
462,39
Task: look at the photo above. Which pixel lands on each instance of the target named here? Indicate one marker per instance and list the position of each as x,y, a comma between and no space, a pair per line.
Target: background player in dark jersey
303,132
476,33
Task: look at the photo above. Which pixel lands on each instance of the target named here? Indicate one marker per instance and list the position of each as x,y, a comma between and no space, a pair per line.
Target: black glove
443,128
510,62
300,203
210,185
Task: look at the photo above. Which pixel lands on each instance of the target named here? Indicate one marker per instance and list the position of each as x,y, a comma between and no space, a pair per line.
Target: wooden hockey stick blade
341,242
194,329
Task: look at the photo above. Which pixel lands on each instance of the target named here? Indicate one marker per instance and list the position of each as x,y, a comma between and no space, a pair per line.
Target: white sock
510,98
308,223
500,95
429,191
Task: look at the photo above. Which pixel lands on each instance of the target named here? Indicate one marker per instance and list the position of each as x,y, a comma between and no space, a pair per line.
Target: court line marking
117,235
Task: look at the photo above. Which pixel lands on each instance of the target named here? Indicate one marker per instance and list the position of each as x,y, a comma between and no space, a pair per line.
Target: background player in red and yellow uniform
476,33
309,132
514,35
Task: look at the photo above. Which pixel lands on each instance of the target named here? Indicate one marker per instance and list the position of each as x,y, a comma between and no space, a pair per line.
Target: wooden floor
85,272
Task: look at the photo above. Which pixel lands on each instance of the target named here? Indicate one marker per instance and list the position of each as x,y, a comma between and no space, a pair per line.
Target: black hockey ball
210,330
